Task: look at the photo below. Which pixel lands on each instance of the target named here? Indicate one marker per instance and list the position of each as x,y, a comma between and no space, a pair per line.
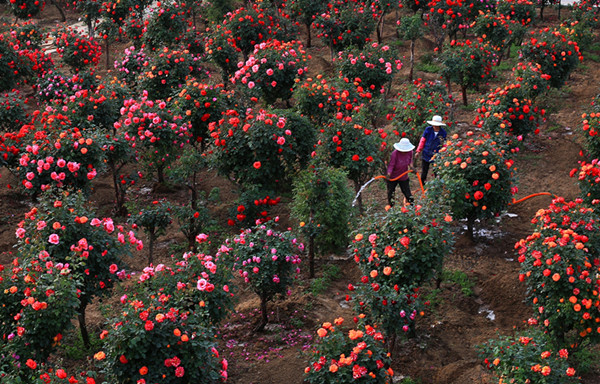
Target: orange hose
513,202
396,178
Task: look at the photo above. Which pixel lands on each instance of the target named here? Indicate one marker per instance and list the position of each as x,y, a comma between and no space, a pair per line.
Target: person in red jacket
400,162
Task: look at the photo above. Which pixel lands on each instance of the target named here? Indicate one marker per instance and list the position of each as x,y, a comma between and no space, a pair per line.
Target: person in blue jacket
432,140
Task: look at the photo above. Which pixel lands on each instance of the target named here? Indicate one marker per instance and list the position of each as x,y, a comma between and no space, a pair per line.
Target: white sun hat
436,120
404,145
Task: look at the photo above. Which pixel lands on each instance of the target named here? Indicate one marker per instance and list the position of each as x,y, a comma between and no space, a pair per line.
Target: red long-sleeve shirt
399,162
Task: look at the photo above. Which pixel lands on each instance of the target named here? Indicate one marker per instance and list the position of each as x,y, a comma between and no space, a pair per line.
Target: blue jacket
433,143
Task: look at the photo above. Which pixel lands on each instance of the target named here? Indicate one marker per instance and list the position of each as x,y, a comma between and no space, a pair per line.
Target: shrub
196,282
588,176
12,111
556,53
38,301
26,9
66,230
136,346
522,11
253,207
475,177
528,356
9,66
220,49
559,262
131,65
345,23
322,202
591,128
77,50
57,85
531,79
267,261
245,146
371,67
467,64
507,109
354,356
322,98
272,70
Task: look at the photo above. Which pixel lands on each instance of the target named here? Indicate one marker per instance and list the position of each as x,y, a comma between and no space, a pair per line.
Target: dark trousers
424,170
404,187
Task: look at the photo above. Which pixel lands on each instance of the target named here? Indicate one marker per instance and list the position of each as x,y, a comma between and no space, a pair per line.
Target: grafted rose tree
76,49
65,230
556,52
305,12
397,252
345,23
12,111
522,11
323,98
467,64
271,71
499,31
38,299
475,177
155,131
532,80
135,345
252,25
221,50
268,261
354,147
560,263
341,356
411,28
508,110
26,9
262,147
201,104
372,68
166,25
154,221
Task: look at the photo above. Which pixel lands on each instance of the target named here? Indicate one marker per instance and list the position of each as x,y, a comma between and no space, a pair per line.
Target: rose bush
559,264
591,128
357,355
475,177
76,49
267,261
272,70
528,356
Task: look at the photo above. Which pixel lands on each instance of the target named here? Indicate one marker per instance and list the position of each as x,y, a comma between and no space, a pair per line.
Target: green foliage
411,27
221,51
192,221
9,66
76,49
153,220
26,9
330,273
322,202
529,357
461,279
520,11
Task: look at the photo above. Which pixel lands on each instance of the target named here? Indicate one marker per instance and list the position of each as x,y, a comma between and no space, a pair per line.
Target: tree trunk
311,257
263,312
107,51
308,36
151,249
470,222
63,18
379,29
412,60
82,326
464,94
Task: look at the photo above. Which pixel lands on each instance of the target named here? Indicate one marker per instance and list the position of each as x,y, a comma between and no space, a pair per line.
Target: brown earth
444,350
